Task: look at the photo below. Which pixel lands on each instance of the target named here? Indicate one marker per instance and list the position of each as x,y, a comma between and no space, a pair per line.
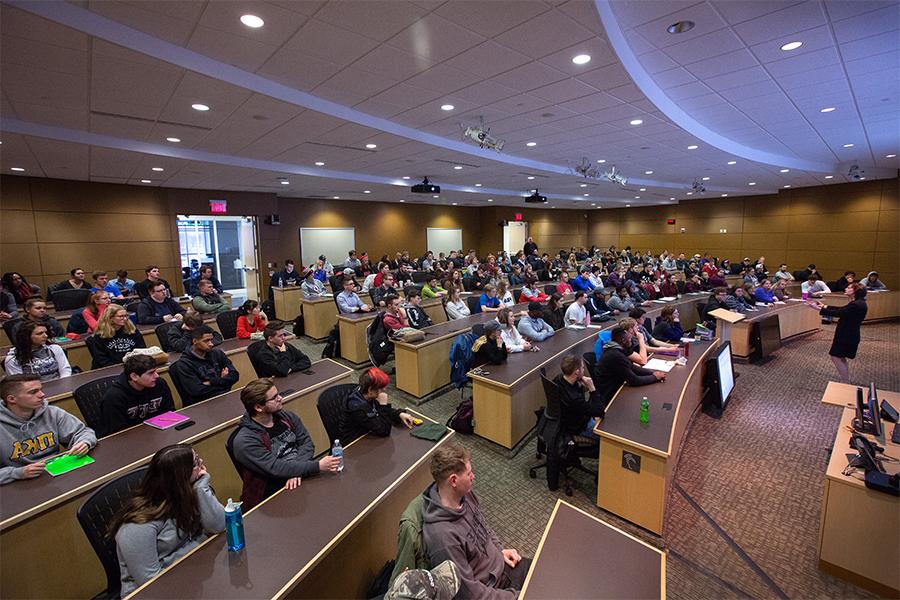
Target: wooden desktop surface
580,556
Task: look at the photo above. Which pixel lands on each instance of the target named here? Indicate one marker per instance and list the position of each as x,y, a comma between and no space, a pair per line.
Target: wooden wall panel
76,196
61,257
23,258
108,227
828,222
759,224
15,193
766,206
17,227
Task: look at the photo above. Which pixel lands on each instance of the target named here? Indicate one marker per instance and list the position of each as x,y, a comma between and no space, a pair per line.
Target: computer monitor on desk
868,415
719,378
875,412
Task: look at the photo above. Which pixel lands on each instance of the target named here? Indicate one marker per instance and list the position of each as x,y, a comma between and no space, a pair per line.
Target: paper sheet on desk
574,326
688,340
595,326
655,364
658,301
668,298
779,302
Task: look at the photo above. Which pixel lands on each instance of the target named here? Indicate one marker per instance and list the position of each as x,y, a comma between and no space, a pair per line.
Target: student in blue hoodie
764,293
31,430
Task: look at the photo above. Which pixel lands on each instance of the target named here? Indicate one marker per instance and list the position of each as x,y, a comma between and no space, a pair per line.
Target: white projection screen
438,239
333,242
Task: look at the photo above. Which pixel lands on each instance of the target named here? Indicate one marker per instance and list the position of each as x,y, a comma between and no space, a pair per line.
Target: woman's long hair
248,306
105,328
164,493
91,305
22,342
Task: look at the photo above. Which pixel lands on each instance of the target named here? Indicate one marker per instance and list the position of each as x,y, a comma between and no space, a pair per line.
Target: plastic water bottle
645,410
234,526
338,451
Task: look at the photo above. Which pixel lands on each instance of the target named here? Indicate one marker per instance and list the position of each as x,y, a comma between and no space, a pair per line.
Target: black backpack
333,344
379,345
298,325
463,419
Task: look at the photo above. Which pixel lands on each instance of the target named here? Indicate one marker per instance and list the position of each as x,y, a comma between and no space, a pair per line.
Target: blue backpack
604,337
461,359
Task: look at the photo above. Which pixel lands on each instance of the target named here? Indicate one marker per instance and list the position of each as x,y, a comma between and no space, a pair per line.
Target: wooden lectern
724,320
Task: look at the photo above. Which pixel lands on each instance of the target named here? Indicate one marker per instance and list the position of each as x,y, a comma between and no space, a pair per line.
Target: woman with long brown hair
96,305
32,354
172,511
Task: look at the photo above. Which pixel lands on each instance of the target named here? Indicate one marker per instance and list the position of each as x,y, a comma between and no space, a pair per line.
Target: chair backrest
517,293
420,276
474,303
94,517
132,306
330,405
554,401
89,398
70,299
162,334
679,285
550,289
336,283
467,283
227,322
176,381
229,447
53,288
77,324
10,326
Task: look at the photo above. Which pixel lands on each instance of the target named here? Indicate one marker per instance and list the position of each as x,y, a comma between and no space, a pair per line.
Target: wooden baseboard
856,579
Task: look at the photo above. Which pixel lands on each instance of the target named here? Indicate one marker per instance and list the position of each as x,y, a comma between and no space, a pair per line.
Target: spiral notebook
166,420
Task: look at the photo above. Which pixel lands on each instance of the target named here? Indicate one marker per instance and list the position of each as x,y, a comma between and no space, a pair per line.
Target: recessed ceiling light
200,107
16,169
531,177
791,46
145,181
627,206
593,204
583,185
601,160
690,193
671,198
371,146
319,163
367,191
829,177
457,168
648,172
680,27
848,145
706,179
447,107
454,203
531,144
637,197
693,147
490,199
784,171
581,59
642,190
585,195
732,162
827,109
890,156
252,21
174,140
477,185
636,121
157,169
403,201
724,195
406,177
336,197
752,183
435,196
285,182
787,186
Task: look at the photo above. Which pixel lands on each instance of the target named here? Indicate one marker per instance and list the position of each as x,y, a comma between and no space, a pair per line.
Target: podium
725,320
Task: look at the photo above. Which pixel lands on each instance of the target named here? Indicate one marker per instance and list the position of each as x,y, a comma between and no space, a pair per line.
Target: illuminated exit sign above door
218,207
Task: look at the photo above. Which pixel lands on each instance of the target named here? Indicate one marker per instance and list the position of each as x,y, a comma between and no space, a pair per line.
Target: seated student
515,276
805,273
504,294
102,284
814,287
596,305
693,285
31,430
511,337
19,287
97,303
782,273
780,290
614,368
352,261
848,278
368,409
387,288
764,293
578,415
74,282
431,289
207,301
872,282
717,279
489,348
250,320
143,288
288,277
172,511
718,300
33,355
271,446
348,301
456,307
136,395
311,286
489,301
8,308
532,326
554,313
114,337
455,528
179,334
36,311
204,371
206,273
394,314
621,302
417,317
582,282
737,300
669,327
638,352
158,307
125,285
531,292
273,357
640,316
563,287
383,269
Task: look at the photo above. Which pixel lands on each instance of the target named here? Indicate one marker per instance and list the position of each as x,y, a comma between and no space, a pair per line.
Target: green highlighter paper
67,462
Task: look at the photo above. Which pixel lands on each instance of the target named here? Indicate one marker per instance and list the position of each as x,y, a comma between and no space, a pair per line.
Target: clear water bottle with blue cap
338,452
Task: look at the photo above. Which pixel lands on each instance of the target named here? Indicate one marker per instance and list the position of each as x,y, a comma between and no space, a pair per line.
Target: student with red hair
368,410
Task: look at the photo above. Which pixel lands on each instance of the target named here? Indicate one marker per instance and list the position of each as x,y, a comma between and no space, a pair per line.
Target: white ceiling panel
377,19
544,34
169,21
490,19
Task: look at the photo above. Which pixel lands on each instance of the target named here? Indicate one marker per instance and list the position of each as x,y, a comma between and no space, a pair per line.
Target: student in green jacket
207,300
432,288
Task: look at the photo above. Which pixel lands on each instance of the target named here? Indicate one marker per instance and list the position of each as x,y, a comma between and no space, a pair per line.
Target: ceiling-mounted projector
425,188
536,198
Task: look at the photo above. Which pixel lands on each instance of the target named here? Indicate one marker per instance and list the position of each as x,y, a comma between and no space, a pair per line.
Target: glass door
228,245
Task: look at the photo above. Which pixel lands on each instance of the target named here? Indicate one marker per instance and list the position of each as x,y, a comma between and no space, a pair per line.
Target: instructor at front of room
846,336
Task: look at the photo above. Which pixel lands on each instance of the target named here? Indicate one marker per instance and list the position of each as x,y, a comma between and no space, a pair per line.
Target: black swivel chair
227,322
10,326
94,517
162,334
590,363
562,452
89,399
517,293
550,289
474,304
132,306
467,283
179,387
330,405
70,299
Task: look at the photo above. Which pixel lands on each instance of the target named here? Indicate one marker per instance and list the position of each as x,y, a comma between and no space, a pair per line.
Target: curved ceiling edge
658,97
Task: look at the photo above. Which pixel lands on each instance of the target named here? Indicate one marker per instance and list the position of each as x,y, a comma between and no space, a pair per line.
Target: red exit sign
518,216
219,207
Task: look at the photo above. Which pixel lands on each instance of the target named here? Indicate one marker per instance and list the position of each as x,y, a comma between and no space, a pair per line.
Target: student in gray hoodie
455,529
31,430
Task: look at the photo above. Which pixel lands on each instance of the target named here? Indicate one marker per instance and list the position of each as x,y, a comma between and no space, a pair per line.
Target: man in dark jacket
490,348
158,307
179,334
379,293
36,310
135,396
368,409
596,306
204,371
273,357
414,314
271,446
614,368
579,414
143,288
455,528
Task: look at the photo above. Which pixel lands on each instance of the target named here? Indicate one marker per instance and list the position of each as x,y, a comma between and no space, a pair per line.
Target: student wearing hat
489,348
440,583
533,327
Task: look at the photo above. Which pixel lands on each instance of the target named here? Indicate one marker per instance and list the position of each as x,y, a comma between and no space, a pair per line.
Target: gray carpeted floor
758,473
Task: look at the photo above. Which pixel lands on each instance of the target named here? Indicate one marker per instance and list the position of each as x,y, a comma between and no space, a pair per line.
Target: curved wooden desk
353,329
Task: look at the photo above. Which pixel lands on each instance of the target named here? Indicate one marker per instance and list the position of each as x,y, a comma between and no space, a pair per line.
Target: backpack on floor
298,326
333,344
463,419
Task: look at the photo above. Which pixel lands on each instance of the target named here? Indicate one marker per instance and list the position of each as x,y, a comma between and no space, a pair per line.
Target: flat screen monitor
860,411
875,412
769,336
720,375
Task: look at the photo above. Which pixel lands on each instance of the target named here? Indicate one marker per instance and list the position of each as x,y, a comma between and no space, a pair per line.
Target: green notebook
67,462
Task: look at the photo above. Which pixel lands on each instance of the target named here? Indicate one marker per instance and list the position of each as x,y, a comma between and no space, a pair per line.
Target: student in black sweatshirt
368,409
414,313
179,334
489,348
614,367
135,396
203,371
273,357
114,337
158,307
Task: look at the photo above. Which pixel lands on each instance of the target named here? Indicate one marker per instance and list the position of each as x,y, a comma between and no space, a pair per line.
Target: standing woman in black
846,336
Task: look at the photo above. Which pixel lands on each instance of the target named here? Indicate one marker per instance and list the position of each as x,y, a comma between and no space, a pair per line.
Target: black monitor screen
874,412
720,375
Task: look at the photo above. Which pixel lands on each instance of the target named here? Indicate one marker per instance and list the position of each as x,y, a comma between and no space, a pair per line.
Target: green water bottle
645,410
